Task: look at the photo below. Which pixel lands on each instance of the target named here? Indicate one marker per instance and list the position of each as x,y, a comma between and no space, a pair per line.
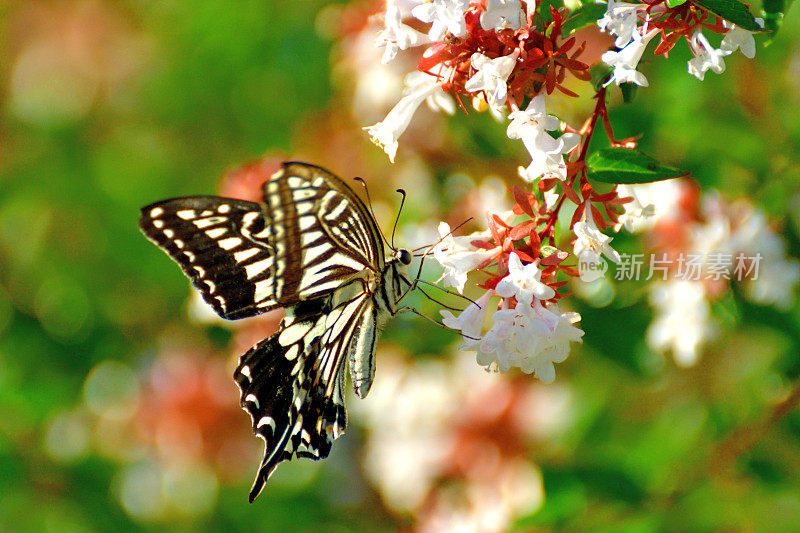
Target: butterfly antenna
430,249
369,203
429,319
397,218
451,293
434,300
442,238
415,285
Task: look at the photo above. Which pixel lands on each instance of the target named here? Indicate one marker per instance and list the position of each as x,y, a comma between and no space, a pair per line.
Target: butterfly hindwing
322,232
222,245
292,383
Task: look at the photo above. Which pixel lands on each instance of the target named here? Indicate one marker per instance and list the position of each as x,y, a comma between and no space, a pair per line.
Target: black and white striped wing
222,245
292,383
323,233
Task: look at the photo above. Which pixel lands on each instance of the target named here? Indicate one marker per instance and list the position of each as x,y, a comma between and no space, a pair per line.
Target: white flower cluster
743,228
683,322
706,57
621,19
489,81
408,412
415,444
531,336
444,16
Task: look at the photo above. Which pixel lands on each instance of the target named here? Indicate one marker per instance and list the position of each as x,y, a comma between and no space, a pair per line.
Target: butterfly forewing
322,233
222,245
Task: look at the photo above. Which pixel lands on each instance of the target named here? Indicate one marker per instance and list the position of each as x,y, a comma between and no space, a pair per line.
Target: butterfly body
313,248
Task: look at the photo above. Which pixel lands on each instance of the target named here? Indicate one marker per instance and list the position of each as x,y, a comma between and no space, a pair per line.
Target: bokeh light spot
24,223
47,91
112,390
67,436
192,489
139,491
63,308
598,293
6,310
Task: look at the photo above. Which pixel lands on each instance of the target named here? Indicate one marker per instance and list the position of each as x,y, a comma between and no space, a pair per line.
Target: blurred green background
117,411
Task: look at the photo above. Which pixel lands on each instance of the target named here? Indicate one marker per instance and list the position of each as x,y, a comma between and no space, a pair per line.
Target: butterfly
315,249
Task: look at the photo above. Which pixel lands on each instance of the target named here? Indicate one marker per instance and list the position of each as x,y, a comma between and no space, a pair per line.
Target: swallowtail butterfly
314,248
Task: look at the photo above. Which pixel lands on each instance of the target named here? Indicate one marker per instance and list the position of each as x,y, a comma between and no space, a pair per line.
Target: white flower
620,20
491,77
682,322
706,57
589,246
547,153
534,117
560,331
626,60
419,89
661,198
502,15
438,100
470,321
637,217
777,275
445,15
396,35
531,338
459,257
740,39
497,347
776,283
523,282
591,242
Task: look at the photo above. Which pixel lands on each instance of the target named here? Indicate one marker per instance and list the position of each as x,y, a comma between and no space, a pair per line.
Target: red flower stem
586,131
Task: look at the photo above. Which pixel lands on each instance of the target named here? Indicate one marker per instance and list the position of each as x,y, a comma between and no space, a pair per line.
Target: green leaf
732,11
543,11
586,15
675,3
628,92
773,16
621,165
